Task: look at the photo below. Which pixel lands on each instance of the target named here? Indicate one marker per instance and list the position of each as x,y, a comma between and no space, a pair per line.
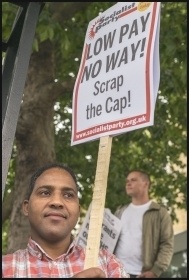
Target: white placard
118,78
111,228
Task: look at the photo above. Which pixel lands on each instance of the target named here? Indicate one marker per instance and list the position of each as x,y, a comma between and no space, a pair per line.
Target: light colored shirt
129,248
33,262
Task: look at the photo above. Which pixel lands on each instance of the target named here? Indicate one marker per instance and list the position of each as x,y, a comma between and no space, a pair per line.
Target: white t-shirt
129,248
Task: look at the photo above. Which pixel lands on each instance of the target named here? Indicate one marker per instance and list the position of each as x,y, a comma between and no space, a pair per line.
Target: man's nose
57,201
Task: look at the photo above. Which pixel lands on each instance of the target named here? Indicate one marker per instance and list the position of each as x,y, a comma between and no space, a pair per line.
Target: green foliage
9,12
5,236
8,190
11,171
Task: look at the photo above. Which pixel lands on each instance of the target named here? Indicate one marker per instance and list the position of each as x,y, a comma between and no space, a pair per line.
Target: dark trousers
133,276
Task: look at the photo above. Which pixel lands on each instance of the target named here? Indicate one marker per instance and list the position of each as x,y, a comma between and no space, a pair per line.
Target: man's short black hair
42,169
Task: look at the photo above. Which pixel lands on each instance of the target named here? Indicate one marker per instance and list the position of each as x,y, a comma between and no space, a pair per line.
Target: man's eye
69,195
44,193
132,180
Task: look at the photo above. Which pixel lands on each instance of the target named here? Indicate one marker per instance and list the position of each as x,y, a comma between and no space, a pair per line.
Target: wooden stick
98,202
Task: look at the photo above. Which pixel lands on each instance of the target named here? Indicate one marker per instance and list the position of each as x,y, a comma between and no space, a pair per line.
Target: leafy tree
43,131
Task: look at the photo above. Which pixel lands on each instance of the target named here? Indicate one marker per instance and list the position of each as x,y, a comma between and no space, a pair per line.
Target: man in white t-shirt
145,244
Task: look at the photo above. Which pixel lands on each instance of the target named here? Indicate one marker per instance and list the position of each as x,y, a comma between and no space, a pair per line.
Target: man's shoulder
120,210
157,205
160,208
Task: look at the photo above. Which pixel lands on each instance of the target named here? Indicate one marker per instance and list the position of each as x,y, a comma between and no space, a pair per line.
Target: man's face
136,184
53,207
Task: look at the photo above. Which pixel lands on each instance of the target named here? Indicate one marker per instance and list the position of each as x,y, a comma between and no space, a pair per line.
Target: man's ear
25,207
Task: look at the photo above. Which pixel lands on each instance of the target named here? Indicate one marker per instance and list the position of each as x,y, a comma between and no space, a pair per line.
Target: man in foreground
52,207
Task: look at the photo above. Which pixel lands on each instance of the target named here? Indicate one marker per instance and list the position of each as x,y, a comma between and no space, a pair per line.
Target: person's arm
166,244
93,272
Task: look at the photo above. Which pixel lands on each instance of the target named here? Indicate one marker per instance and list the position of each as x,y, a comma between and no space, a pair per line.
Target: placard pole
98,202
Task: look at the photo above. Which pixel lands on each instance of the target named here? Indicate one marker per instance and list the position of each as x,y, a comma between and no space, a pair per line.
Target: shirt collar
35,249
